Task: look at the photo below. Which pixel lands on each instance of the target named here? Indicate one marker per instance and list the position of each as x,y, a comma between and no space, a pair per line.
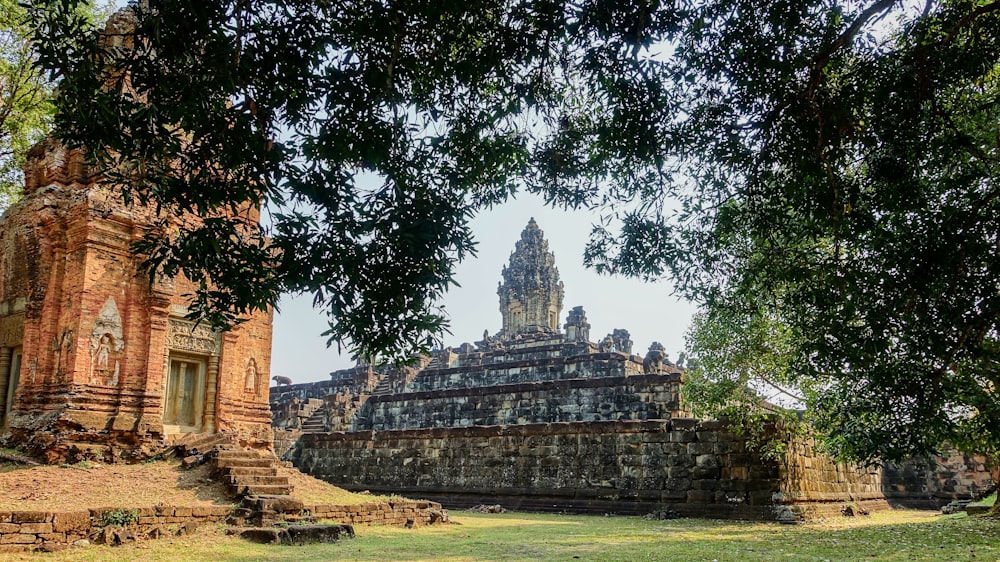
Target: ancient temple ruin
539,416
95,360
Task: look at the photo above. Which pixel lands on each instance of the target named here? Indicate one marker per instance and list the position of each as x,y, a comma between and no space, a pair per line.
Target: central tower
531,294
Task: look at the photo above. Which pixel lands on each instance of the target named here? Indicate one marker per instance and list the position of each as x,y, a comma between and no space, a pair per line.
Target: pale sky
647,310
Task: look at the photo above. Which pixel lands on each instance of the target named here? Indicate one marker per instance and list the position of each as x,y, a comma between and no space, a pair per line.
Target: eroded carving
107,344
184,335
12,330
251,382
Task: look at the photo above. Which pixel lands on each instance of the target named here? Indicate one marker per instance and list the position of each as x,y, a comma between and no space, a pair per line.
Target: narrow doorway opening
13,377
184,398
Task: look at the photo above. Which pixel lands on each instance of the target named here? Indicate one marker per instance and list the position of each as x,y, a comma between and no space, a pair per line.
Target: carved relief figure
252,380
106,346
184,335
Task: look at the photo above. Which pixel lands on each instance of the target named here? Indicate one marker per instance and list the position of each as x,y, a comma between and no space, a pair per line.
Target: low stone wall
698,469
50,531
931,483
303,391
637,397
394,513
53,531
820,487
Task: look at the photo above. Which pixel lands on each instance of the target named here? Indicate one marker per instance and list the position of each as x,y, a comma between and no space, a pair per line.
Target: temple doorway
184,399
13,376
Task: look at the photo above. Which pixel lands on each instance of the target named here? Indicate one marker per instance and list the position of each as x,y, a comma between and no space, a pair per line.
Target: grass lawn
900,535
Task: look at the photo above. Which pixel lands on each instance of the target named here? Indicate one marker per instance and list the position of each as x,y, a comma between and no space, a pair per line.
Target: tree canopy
25,109
827,169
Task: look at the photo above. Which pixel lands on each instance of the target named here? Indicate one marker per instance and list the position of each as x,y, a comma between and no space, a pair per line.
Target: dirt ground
90,485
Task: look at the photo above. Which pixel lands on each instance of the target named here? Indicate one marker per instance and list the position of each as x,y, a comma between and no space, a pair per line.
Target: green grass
988,500
903,535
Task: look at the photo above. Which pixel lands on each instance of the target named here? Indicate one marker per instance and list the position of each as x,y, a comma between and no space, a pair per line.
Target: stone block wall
930,483
394,513
285,440
544,363
821,486
608,398
698,469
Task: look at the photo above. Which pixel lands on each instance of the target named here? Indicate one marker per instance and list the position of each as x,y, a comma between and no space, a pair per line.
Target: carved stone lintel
12,330
184,335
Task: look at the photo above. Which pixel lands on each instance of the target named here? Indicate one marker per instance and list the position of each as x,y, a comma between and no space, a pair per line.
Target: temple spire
531,294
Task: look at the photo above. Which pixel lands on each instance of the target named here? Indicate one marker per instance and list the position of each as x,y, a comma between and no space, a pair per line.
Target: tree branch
984,9
843,39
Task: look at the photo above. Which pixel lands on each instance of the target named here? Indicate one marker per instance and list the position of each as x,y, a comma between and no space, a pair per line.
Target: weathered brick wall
394,513
637,397
931,483
625,466
41,530
95,335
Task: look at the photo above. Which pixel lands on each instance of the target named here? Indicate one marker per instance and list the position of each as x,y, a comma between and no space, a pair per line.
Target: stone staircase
267,512
248,472
383,387
243,471
316,422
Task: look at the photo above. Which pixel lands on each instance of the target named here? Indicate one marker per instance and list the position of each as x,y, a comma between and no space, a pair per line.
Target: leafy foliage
372,130
25,107
742,372
119,517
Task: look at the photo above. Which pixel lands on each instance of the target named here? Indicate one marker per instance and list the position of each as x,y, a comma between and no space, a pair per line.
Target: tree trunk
995,473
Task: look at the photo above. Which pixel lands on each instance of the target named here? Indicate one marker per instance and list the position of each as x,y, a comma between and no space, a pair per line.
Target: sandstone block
31,517
17,538
36,528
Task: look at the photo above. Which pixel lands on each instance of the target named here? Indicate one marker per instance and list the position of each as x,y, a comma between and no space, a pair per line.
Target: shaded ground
88,485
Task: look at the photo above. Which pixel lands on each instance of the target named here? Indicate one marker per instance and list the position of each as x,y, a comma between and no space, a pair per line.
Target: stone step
248,471
316,422
268,490
273,503
245,480
247,463
201,441
293,534
224,456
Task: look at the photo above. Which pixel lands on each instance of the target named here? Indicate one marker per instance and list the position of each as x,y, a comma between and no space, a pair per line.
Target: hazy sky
647,310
